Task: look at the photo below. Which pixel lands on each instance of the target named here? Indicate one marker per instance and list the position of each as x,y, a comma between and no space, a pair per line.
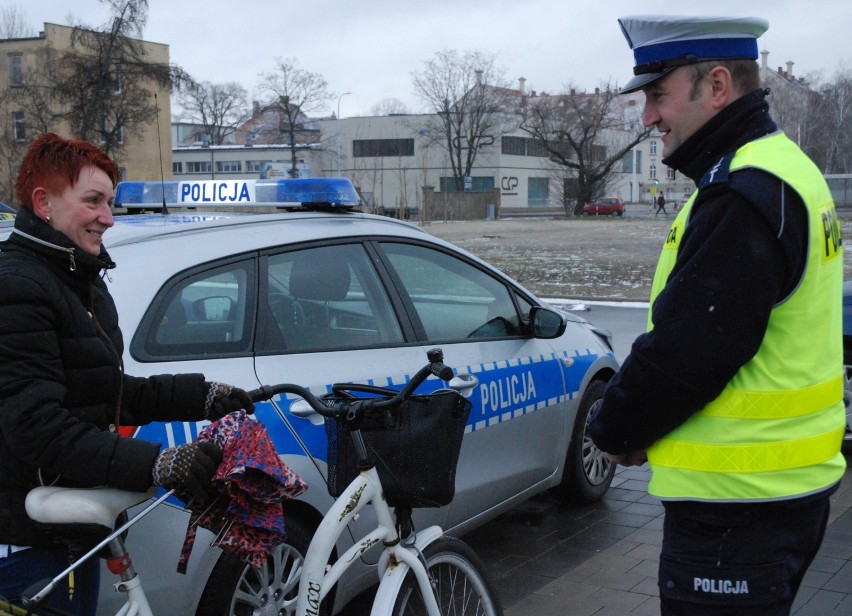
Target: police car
320,293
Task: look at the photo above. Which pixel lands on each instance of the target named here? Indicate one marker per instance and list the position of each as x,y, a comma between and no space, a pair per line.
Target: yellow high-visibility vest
776,429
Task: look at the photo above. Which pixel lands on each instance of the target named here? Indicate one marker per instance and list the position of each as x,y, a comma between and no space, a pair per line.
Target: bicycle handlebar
435,366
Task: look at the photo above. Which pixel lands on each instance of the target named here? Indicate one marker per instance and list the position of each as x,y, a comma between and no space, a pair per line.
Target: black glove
188,469
223,399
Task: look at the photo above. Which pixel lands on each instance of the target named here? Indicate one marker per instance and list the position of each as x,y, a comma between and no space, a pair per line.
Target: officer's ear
722,91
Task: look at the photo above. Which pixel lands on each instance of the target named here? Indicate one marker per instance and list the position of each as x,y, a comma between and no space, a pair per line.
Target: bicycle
419,572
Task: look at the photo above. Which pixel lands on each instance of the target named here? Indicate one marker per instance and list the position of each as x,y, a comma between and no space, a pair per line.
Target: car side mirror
546,323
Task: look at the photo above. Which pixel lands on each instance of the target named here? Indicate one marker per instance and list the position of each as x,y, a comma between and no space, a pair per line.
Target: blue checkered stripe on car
511,388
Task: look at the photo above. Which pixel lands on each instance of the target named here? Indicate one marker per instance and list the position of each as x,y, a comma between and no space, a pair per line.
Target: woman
63,393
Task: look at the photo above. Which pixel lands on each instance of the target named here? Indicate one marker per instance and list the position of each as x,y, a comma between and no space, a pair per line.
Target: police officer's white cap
661,43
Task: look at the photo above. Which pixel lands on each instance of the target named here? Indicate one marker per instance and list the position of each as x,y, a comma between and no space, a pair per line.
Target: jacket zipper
117,422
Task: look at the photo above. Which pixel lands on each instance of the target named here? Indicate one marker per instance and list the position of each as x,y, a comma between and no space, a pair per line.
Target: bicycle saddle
57,505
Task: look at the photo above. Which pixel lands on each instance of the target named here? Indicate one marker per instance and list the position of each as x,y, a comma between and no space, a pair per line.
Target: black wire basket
415,446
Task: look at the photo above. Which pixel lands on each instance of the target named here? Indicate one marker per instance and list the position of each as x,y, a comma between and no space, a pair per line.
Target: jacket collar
32,232
744,120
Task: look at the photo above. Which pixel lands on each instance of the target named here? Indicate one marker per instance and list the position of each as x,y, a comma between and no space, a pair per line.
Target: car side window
204,313
326,298
453,299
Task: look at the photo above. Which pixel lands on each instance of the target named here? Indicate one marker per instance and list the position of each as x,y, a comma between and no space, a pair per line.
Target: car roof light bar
287,193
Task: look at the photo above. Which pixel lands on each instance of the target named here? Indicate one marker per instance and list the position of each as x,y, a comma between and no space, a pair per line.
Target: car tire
588,470
233,584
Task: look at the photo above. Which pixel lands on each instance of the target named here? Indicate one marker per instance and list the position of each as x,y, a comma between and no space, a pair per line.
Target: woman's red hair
54,163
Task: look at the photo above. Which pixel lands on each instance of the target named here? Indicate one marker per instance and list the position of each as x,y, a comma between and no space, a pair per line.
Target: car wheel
847,402
236,589
588,470
585,213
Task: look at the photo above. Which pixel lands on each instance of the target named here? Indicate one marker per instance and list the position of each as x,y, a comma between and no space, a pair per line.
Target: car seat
314,282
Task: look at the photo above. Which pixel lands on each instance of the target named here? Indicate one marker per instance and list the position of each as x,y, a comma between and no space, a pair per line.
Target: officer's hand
631,458
223,399
188,469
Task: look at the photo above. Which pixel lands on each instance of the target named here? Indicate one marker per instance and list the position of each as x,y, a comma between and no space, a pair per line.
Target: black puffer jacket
62,387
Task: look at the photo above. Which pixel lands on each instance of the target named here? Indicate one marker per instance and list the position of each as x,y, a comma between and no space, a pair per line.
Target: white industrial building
391,159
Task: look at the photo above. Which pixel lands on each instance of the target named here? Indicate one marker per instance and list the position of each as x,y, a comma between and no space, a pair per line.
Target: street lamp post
339,153
633,178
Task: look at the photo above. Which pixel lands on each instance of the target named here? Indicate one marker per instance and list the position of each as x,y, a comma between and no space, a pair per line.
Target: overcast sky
369,48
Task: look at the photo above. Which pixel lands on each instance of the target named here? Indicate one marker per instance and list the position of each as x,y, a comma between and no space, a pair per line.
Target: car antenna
164,210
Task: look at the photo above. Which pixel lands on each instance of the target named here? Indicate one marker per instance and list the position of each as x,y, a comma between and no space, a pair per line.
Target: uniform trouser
738,559
20,570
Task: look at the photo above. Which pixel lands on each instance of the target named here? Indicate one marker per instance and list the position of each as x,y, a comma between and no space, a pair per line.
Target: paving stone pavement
550,559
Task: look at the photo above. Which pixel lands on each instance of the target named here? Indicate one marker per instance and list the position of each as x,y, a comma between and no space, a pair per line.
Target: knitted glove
223,399
188,469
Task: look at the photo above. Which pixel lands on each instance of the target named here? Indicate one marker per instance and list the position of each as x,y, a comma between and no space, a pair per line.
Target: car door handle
300,408
464,383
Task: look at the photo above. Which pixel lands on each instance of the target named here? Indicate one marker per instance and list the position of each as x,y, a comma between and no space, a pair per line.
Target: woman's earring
47,219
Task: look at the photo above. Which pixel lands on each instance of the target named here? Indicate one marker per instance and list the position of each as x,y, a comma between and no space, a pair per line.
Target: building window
534,148
107,132
198,166
514,146
19,128
652,171
627,162
255,166
652,147
670,173
596,152
478,184
16,70
363,148
116,74
228,166
177,167
526,146
538,192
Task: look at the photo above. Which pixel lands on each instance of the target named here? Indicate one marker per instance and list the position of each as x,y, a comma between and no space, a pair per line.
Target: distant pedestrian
661,205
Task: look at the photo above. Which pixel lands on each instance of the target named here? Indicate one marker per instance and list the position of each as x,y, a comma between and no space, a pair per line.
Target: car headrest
318,279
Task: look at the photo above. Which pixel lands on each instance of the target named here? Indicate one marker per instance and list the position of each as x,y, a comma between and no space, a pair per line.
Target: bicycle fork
394,565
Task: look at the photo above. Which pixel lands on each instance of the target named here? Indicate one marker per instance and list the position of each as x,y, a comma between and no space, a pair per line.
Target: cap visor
640,81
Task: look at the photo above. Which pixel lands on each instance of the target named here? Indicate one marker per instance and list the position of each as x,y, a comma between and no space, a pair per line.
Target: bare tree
13,23
588,134
389,106
470,97
28,105
100,83
220,108
294,92
828,138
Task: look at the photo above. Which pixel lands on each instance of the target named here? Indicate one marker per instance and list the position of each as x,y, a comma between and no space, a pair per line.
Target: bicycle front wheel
459,580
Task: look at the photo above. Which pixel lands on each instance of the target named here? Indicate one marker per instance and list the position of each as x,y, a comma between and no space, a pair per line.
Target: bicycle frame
395,562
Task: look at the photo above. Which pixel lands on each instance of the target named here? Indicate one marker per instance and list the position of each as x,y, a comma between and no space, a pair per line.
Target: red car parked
608,206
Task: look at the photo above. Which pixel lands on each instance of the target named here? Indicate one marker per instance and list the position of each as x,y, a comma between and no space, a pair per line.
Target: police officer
734,395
